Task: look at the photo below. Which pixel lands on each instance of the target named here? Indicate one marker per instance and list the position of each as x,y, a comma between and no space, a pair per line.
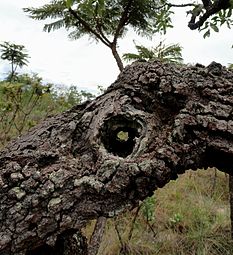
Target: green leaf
228,24
207,34
229,13
69,3
101,3
214,27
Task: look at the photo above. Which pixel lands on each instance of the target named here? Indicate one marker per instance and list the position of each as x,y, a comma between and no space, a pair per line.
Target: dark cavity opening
119,135
43,249
219,159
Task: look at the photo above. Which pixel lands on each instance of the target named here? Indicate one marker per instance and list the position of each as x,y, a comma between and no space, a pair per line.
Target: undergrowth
189,216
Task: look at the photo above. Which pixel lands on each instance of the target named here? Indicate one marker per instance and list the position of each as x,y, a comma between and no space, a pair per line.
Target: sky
87,64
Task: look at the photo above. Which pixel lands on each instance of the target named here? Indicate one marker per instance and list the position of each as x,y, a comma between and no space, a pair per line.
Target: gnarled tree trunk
76,166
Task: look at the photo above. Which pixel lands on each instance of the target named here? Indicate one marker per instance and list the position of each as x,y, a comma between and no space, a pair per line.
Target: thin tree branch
111,45
118,234
99,27
150,227
175,5
211,9
133,221
179,5
231,202
206,3
97,235
88,27
122,21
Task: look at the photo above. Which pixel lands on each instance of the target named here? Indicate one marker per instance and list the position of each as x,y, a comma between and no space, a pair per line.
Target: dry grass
190,216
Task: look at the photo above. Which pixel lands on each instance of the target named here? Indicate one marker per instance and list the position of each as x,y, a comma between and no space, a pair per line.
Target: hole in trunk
119,135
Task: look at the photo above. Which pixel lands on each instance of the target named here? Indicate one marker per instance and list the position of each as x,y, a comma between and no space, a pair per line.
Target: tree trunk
117,57
76,166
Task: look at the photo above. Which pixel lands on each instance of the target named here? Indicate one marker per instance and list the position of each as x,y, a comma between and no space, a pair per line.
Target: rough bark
73,167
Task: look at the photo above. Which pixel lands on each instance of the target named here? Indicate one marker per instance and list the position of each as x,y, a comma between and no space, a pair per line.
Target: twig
97,236
133,222
214,183
231,202
118,234
150,227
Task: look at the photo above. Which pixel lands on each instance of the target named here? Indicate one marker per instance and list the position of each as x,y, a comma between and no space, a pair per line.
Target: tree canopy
104,20
107,21
171,53
14,53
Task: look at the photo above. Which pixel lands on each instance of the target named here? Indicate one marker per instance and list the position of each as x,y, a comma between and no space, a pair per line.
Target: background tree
16,54
104,20
220,12
107,21
171,53
26,99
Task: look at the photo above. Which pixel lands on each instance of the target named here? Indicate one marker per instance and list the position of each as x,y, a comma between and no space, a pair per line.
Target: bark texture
75,166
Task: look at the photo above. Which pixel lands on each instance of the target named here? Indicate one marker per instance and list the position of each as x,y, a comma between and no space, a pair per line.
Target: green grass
190,217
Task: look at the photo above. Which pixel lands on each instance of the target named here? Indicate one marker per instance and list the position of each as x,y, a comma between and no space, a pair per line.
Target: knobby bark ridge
75,167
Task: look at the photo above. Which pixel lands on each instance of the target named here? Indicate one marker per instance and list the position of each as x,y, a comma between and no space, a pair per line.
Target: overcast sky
86,64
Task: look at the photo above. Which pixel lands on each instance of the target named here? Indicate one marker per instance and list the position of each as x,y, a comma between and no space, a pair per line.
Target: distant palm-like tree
15,54
171,53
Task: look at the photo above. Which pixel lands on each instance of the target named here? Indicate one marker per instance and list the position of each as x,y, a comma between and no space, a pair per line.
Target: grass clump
189,216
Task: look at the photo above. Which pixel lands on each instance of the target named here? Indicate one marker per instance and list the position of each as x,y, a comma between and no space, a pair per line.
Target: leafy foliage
148,208
19,100
27,101
211,14
162,52
223,17
105,20
103,16
15,54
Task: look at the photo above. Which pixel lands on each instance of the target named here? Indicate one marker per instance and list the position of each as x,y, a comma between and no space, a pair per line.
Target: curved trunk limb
105,156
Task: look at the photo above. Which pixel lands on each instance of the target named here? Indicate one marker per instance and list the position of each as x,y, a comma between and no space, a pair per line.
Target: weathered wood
74,167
